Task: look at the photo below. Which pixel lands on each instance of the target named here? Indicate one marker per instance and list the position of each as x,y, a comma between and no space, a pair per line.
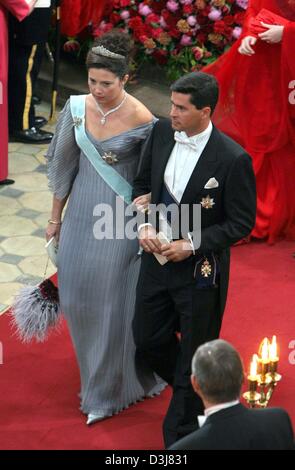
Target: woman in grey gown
97,277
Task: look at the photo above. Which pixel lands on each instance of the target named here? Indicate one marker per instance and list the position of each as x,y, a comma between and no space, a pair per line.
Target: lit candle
264,357
273,355
252,378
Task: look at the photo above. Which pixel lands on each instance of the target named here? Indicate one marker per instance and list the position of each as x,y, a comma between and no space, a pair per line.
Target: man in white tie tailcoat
190,165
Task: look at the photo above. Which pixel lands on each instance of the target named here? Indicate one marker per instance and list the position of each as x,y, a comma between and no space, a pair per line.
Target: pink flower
192,20
214,14
163,23
198,53
242,3
144,10
237,32
185,40
186,2
172,5
125,14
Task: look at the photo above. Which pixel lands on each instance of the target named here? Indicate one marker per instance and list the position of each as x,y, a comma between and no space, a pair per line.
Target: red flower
157,5
156,32
115,18
152,18
124,3
135,22
219,27
229,20
174,33
188,9
202,37
161,41
160,55
142,38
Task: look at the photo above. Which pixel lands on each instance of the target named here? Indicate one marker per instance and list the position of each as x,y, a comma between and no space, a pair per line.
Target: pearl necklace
104,115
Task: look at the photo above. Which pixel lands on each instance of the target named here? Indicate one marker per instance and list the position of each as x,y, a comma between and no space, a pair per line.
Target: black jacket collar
226,413
204,169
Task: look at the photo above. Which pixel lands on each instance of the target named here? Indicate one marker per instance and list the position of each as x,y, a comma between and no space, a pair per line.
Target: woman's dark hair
202,88
114,41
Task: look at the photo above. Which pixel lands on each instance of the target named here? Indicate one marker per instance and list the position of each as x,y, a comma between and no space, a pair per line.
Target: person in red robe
20,9
257,109
77,14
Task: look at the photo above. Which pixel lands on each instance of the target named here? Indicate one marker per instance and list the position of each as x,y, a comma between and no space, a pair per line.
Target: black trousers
24,66
168,302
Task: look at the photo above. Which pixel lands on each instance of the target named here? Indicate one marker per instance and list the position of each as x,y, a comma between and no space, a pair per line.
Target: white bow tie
182,138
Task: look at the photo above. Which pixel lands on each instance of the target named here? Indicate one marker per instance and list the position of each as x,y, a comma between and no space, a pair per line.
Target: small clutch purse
267,17
52,249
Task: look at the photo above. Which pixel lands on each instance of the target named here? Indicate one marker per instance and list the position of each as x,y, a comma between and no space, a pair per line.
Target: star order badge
77,121
206,268
207,202
110,158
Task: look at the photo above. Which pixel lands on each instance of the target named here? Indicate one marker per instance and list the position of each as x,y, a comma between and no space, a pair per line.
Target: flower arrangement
181,35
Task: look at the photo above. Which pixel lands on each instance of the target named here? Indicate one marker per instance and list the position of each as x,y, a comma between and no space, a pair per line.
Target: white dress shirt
214,409
42,4
183,159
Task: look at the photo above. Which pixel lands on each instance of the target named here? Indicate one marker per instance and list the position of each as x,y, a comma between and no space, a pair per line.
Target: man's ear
195,384
206,112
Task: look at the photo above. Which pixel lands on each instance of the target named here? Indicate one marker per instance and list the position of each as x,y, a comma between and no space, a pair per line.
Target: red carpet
39,383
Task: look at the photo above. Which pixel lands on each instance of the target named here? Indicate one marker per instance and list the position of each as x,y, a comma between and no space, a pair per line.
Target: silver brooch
110,158
77,121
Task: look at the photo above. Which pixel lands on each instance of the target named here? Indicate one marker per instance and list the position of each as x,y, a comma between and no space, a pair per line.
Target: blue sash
112,178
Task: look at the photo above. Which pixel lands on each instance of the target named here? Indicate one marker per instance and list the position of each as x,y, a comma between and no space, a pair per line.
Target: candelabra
263,377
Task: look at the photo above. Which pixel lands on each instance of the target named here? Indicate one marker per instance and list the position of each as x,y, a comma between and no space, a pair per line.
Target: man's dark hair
218,369
202,88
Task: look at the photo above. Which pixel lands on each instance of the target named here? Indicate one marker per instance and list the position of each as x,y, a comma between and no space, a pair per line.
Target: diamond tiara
101,50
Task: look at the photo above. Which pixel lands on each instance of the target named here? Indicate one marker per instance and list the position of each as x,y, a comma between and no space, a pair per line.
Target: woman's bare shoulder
141,113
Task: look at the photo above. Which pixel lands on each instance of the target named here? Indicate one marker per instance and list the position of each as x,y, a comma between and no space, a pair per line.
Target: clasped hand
175,251
273,35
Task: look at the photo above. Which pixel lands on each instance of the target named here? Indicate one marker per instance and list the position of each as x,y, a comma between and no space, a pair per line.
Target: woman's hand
273,34
142,202
53,230
245,47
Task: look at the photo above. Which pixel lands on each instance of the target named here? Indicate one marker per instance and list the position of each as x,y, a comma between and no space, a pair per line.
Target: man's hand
273,34
177,251
148,241
245,47
142,202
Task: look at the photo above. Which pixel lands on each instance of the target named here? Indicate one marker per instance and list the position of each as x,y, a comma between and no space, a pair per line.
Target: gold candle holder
263,375
251,396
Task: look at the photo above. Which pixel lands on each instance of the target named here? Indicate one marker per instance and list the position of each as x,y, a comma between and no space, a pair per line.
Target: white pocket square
211,183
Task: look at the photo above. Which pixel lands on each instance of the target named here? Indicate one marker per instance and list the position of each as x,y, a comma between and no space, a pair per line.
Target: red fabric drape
254,109
77,14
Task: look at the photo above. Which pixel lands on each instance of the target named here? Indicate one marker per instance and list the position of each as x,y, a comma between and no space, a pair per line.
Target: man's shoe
36,100
32,136
6,182
40,121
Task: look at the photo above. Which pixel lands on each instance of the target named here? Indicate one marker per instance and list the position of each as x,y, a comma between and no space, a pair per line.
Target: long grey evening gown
97,278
